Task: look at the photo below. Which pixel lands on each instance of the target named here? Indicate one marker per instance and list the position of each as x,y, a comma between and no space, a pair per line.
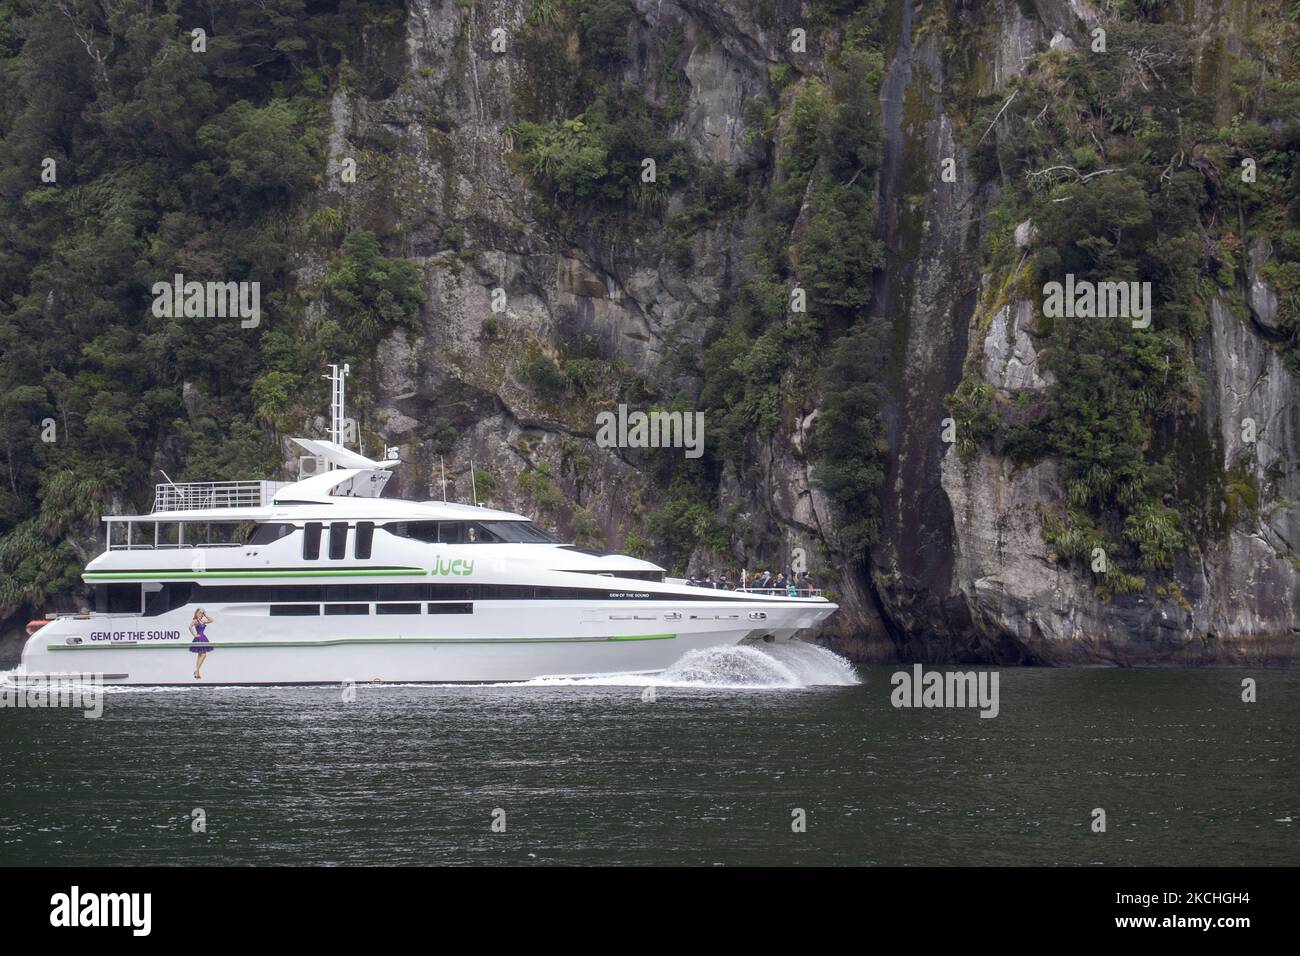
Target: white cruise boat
323,581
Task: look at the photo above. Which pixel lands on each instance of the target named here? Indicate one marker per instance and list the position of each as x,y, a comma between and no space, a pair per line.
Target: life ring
34,626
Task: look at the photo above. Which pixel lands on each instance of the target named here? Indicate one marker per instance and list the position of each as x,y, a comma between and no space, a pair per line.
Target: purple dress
201,638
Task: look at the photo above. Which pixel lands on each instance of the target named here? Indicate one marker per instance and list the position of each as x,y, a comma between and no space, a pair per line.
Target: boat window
352,593
347,608
338,540
426,531
311,594
294,610
365,538
117,598
311,541
167,598
657,576
431,532
297,593
450,608
218,532
453,592
517,532
397,609
267,533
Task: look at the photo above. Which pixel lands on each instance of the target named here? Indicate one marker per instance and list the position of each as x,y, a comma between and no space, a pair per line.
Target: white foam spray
785,665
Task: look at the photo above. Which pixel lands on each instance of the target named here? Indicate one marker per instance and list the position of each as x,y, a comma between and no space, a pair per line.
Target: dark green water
1187,774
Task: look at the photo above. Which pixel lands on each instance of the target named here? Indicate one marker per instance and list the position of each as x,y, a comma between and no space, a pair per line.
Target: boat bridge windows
270,533
161,598
637,575
365,539
148,534
470,532
127,534
311,541
117,598
338,540
517,532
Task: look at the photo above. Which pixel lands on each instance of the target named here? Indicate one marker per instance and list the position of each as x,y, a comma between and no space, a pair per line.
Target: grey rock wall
962,571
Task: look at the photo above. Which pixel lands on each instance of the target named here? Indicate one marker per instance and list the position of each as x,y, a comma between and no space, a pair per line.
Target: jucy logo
210,300
457,566
1098,300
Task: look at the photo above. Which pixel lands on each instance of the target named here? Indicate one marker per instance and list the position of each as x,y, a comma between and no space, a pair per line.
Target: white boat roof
314,498
343,457
336,509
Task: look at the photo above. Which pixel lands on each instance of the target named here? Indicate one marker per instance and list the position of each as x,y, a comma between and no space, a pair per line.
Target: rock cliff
961,568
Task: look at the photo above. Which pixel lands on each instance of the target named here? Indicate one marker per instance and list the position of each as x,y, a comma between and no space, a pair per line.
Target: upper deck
201,514
205,495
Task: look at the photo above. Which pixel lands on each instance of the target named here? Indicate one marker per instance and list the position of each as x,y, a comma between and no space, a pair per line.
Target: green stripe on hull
364,640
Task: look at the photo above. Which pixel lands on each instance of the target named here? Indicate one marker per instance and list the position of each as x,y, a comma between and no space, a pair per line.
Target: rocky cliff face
961,570
1007,595
1241,603
435,161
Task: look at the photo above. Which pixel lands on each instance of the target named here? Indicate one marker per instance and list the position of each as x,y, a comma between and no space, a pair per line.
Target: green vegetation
165,161
584,137
545,496
686,520
850,439
210,165
766,361
582,141
592,161
371,293
542,375
1127,178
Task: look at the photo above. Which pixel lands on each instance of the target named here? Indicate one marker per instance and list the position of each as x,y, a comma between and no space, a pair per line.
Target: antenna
444,479
338,389
473,485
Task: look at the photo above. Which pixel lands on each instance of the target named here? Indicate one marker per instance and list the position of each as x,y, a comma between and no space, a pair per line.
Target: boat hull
248,649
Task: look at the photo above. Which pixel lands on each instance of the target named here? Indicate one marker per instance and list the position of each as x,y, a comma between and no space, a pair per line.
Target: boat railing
202,495
783,592
173,545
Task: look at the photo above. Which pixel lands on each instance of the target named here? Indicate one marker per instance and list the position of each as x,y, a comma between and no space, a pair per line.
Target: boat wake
784,666
788,665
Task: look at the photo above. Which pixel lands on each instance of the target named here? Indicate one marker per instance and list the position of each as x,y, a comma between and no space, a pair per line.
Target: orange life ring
34,626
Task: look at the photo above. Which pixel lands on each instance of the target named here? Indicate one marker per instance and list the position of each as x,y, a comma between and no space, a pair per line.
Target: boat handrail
799,592
202,495
165,545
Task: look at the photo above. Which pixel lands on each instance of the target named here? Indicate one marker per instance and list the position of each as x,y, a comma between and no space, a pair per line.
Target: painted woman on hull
199,643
